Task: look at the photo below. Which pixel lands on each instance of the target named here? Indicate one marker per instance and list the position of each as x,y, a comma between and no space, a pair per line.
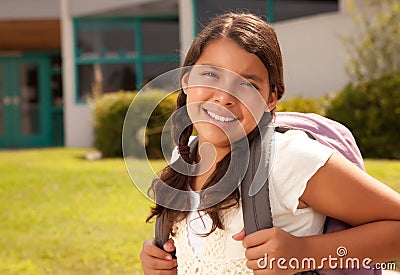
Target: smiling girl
230,91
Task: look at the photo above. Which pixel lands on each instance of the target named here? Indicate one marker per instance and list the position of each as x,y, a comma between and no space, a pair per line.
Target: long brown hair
255,36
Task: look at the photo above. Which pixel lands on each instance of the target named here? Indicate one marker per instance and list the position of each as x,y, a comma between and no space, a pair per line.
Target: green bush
157,120
109,112
372,111
303,105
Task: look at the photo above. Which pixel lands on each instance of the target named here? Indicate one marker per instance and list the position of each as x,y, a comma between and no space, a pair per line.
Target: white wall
88,7
186,28
313,53
29,9
77,118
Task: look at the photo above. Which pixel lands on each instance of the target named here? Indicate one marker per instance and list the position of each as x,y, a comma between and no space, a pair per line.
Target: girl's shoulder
294,159
294,153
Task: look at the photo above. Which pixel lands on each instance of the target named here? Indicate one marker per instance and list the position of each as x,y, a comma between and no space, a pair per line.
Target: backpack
255,216
325,131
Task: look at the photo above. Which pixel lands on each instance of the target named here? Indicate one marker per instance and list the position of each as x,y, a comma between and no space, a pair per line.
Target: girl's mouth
219,118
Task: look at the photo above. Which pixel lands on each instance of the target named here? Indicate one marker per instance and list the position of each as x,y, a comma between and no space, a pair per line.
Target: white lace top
296,158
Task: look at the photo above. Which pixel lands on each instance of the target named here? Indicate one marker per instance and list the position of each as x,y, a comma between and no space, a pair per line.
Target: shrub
109,112
157,120
372,111
108,118
303,105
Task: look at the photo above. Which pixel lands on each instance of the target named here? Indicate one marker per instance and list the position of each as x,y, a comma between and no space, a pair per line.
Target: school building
55,54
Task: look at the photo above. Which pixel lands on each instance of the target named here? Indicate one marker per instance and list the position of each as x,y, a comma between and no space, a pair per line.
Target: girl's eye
210,74
250,85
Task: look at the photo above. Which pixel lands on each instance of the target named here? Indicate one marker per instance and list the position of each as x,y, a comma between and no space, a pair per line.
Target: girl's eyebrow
247,76
213,67
253,77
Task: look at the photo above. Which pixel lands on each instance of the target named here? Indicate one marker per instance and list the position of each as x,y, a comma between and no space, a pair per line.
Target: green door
25,116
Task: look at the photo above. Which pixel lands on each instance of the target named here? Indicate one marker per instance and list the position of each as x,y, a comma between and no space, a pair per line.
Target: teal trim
126,18
139,62
270,11
105,60
195,15
37,54
160,58
76,56
5,134
43,136
125,60
13,136
45,100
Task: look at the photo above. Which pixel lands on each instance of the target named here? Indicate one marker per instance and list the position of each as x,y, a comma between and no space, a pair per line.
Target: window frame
138,60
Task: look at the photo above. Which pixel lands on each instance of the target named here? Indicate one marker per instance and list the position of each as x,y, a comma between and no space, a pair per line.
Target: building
55,54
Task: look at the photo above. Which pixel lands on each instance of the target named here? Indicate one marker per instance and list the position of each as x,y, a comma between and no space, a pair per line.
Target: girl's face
228,93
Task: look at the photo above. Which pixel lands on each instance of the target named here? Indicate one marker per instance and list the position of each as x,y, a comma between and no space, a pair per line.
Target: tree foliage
374,48
372,111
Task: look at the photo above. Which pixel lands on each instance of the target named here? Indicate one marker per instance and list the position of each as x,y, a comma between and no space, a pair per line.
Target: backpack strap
256,205
254,187
255,184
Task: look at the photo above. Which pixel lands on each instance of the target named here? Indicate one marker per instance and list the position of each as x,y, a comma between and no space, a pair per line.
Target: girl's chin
215,135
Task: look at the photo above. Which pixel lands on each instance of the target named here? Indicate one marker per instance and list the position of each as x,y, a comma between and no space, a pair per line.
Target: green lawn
62,214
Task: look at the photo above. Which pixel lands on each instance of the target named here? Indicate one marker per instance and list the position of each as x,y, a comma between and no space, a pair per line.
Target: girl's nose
223,98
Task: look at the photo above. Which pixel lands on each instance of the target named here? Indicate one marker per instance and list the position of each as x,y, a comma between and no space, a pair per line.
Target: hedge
109,112
372,111
303,105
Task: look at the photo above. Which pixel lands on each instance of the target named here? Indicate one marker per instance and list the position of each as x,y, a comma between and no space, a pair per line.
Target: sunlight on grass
387,171
62,214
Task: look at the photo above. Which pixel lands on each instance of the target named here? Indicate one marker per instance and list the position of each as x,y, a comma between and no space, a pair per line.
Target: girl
308,181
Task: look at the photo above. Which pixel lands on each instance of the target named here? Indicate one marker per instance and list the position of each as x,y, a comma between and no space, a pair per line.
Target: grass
388,171
62,214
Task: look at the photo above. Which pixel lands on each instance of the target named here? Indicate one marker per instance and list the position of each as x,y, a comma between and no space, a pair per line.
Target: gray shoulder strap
254,187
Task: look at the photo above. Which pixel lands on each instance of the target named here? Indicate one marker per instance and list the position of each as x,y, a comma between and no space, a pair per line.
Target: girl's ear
185,82
272,99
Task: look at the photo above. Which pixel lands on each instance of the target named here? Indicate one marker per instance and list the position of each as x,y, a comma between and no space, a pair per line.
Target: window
207,9
290,9
270,10
153,69
105,78
97,38
114,54
165,32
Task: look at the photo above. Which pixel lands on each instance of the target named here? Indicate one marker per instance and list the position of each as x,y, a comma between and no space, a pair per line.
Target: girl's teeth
220,118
